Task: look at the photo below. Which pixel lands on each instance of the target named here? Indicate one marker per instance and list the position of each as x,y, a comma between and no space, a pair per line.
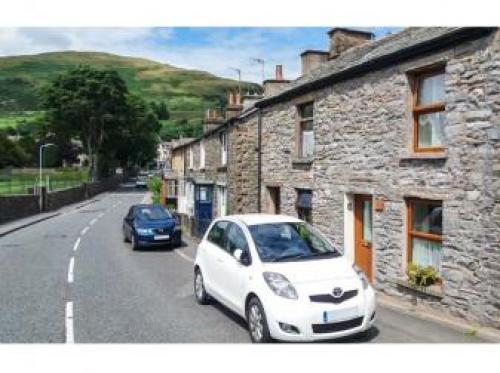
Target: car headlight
280,285
144,231
361,275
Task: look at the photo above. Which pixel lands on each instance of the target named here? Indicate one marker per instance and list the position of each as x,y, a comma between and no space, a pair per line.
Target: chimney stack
234,105
273,86
312,59
212,120
342,39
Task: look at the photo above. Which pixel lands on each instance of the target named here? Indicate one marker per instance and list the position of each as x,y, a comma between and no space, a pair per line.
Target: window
217,234
223,147
306,130
425,229
172,188
202,155
235,239
428,111
304,205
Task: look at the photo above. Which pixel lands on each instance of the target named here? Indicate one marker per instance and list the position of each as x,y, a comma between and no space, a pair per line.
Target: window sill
302,161
435,291
442,156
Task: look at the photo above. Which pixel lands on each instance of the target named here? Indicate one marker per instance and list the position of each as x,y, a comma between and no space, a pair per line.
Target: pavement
71,278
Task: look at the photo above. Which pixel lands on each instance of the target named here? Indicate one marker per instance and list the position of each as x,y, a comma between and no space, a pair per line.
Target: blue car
151,225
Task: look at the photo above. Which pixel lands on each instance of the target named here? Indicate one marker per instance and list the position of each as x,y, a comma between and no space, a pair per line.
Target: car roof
256,219
146,205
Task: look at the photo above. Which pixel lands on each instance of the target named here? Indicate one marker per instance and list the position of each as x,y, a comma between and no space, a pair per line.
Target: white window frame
223,148
222,200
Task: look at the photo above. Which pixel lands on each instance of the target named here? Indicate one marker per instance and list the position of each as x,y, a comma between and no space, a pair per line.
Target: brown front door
273,200
363,234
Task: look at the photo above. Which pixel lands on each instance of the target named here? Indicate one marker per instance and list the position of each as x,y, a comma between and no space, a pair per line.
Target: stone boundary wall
22,206
18,207
63,197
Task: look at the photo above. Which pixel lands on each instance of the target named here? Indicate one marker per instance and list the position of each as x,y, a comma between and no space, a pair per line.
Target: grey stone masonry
363,134
242,165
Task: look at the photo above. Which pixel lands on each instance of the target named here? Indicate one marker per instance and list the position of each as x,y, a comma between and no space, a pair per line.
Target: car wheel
201,294
257,322
133,240
125,238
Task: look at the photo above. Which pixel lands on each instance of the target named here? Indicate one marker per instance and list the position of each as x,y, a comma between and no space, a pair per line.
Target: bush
154,186
422,275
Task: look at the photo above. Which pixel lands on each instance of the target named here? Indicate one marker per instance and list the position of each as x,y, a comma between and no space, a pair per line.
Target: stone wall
242,166
363,132
18,207
21,206
63,197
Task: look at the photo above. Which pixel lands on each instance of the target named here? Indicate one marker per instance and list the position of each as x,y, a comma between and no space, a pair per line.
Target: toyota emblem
337,292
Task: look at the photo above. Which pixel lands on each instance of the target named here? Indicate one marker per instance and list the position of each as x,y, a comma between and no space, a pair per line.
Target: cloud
216,50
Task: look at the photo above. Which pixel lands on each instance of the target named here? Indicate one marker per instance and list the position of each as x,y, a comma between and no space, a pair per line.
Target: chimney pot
279,72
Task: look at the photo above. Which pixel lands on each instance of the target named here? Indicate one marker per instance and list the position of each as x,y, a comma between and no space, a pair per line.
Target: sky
216,50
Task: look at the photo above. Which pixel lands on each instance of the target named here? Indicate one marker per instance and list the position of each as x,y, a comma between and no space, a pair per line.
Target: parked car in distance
151,225
142,180
284,277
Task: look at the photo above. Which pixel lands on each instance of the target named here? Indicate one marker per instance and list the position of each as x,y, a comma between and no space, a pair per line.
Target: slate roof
366,57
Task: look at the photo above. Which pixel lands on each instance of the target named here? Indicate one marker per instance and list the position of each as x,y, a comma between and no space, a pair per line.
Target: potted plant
422,275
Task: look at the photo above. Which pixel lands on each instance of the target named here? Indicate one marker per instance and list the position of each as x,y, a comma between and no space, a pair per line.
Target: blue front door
203,207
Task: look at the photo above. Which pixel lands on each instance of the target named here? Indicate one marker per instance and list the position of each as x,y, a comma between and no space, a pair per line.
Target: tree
163,112
137,142
160,109
88,104
11,154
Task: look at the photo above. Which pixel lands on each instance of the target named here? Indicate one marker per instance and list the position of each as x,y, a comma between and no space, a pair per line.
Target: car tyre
133,241
200,293
257,322
125,238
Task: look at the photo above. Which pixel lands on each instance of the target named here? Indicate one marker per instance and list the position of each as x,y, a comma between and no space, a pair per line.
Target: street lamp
41,166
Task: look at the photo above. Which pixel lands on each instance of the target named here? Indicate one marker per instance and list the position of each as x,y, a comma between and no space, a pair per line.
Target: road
73,279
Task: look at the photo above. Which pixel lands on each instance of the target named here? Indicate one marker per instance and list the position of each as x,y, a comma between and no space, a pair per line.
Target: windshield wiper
286,257
326,253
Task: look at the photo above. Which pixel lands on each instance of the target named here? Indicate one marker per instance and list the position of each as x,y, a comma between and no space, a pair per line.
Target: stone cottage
392,148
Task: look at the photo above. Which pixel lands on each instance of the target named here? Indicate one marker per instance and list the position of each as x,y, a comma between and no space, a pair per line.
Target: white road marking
93,221
184,256
75,247
70,337
100,215
70,269
84,230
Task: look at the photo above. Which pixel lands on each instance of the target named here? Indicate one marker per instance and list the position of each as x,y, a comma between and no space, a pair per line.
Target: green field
13,119
17,181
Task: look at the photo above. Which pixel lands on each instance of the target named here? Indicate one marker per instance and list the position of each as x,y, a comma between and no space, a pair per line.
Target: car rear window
153,213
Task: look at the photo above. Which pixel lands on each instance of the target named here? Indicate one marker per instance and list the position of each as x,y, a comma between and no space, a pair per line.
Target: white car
284,277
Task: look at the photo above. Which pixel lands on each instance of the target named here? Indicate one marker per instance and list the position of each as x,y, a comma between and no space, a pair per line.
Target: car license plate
340,315
162,237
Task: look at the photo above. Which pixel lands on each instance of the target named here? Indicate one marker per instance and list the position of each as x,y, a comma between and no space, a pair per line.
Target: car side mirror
241,256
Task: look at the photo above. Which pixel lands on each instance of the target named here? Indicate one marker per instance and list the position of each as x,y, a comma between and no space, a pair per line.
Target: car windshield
290,241
153,213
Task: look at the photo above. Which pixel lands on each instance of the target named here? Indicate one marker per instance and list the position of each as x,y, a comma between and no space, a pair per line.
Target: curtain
426,253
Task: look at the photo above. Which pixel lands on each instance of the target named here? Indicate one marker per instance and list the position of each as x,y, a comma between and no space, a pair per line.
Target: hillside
187,92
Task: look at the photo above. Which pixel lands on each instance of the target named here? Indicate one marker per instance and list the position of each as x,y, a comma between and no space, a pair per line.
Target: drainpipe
259,158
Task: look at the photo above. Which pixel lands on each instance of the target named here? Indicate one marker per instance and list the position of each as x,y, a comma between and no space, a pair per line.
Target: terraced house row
391,147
